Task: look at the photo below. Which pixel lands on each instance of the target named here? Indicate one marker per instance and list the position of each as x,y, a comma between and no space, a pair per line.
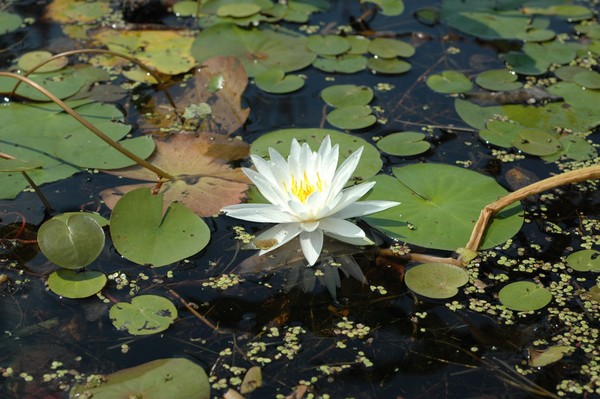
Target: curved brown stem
140,161
113,53
574,176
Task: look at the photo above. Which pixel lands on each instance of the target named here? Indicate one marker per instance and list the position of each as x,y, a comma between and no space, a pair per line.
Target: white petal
270,191
311,243
309,226
350,196
345,171
352,240
282,233
363,208
262,166
340,227
262,213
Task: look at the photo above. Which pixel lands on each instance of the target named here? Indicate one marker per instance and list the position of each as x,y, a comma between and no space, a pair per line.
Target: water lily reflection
307,199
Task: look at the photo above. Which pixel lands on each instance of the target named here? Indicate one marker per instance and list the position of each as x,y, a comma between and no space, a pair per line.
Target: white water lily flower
308,198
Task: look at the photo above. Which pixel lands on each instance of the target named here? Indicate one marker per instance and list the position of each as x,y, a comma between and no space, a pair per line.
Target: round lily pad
185,8
146,314
498,80
536,35
9,22
524,296
404,144
327,44
275,81
588,79
370,162
536,142
358,44
73,284
436,280
388,66
567,73
347,95
71,241
585,260
439,205
28,60
449,82
390,48
352,117
500,133
238,10
174,378
574,147
388,7
541,358
347,63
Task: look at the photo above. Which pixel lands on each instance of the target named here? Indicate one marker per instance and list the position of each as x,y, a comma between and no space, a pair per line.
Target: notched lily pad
347,95
347,63
498,80
449,82
404,144
146,314
352,117
388,7
541,358
275,81
28,60
436,280
76,284
536,142
328,44
588,79
390,48
524,296
388,66
584,261
9,22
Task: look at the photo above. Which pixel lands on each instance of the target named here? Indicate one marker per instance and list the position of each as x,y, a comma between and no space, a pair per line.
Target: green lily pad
390,48
370,162
449,82
186,8
71,241
474,115
388,66
17,165
347,63
573,147
585,260
238,10
536,142
62,84
404,144
436,280
358,44
536,35
9,22
258,50
328,44
275,81
347,95
573,12
142,234
524,296
74,285
388,7
588,79
567,73
146,314
175,378
536,58
498,80
28,60
475,20
543,358
352,117
439,205
500,133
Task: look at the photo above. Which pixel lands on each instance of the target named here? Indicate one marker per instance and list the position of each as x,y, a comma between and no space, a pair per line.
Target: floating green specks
71,240
436,280
328,44
352,117
9,22
449,82
146,314
585,260
73,284
498,80
346,95
275,81
390,48
524,296
536,142
404,144
439,205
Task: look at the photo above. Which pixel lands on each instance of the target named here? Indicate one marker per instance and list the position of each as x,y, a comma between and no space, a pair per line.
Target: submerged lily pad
449,82
174,378
74,285
71,241
541,358
146,314
257,49
404,144
584,261
352,117
524,296
439,205
275,81
143,234
436,280
347,95
370,162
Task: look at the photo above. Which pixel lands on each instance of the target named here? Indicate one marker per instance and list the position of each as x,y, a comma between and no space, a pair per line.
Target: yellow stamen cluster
304,187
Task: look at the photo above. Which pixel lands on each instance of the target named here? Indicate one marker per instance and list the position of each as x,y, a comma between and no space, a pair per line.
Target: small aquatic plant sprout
307,198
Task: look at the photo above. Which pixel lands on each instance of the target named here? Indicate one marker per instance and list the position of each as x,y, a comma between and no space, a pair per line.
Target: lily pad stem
140,161
115,54
574,176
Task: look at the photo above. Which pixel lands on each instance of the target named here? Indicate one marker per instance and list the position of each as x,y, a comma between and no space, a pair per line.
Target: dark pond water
377,340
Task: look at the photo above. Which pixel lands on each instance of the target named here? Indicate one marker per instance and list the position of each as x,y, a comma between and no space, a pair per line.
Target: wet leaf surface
146,314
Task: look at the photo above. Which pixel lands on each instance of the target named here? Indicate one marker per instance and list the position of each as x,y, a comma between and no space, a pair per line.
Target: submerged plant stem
140,161
38,192
194,311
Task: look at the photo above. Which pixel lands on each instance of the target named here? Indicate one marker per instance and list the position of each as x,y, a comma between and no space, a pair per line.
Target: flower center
304,187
